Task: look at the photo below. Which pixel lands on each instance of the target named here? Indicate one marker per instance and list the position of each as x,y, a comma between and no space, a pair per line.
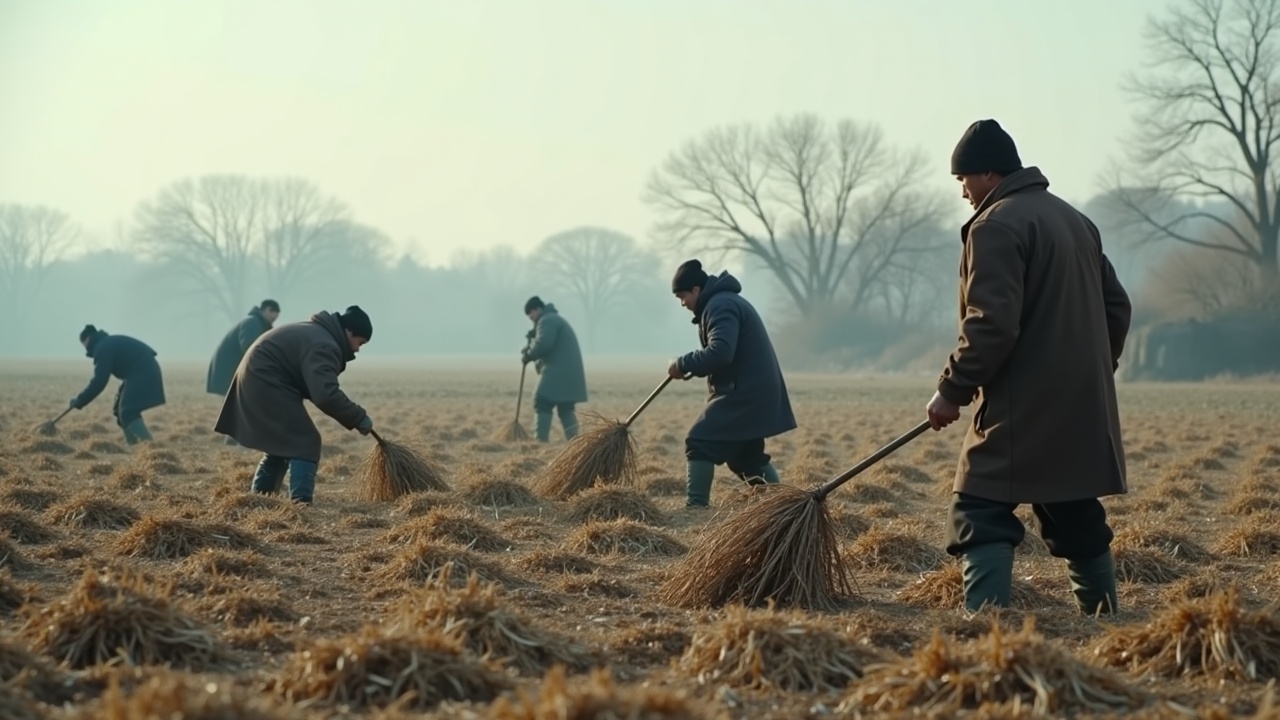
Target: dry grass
996,668
93,513
217,562
623,537
780,549
550,562
163,538
392,470
12,596
1250,541
1140,565
614,503
245,606
452,526
33,674
376,668
489,625
944,589
498,493
1211,636
167,695
767,649
881,549
423,561
24,527
121,614
598,697
603,455
1169,542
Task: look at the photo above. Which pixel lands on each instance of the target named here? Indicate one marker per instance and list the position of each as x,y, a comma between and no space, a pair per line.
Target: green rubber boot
988,576
771,474
1093,582
698,483
136,432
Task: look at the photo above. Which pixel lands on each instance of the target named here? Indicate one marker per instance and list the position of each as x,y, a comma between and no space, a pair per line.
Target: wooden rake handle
645,404
825,489
377,437
60,416
520,393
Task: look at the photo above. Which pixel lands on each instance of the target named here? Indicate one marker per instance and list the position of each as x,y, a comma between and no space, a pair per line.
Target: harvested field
265,609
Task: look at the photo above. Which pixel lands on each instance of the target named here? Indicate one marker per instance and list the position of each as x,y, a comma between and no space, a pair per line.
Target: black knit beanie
688,276
355,320
533,303
985,147
88,332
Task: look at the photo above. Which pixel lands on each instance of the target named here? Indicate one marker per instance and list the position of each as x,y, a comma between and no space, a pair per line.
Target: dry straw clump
623,537
120,614
377,668
944,589
422,561
23,527
1140,565
421,503
90,512
996,668
782,548
768,649
1170,542
603,455
12,596
33,674
17,704
162,538
1211,636
881,549
215,562
597,698
606,503
49,447
462,528
30,498
489,492
477,613
245,606
166,695
392,470
1251,540
550,562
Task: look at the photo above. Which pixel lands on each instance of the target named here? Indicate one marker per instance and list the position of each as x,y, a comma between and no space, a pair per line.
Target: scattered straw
1211,636
597,698
604,455
765,649
392,470
614,503
30,498
881,549
12,596
451,526
17,704
376,668
1169,542
245,606
89,512
424,560
23,527
996,668
623,537
1250,541
162,538
498,493
550,562
120,614
217,562
944,589
781,548
165,694
33,674
1140,565
50,447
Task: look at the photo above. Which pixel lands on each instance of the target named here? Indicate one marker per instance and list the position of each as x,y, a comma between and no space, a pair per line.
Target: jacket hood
329,321
716,284
550,308
92,345
1029,178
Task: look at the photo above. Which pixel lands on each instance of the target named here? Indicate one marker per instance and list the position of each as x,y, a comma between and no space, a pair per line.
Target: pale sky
469,123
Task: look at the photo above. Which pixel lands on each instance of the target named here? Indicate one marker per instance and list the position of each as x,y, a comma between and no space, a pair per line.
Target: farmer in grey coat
553,349
235,344
141,387
748,397
263,409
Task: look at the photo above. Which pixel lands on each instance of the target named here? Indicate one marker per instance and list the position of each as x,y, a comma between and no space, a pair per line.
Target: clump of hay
490,492
774,650
665,486
23,527
132,479
106,447
216,562
361,521
12,596
423,561
163,538
596,697
244,607
47,463
998,668
26,671
10,557
604,455
550,562
289,516
595,586
121,614
613,503
298,537
49,447
237,507
868,494
880,549
848,524
392,470
167,694
1211,636
91,512
1249,541
376,668
17,704
1250,503
944,589
781,548
477,612
101,469
30,498
525,528
1169,542
421,503
623,537
451,526
1140,565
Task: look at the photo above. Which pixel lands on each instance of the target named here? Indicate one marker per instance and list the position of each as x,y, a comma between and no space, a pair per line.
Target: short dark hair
533,303
269,305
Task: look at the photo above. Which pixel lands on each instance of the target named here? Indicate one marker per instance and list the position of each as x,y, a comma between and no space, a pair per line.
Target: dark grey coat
263,409
130,360
232,348
748,394
558,359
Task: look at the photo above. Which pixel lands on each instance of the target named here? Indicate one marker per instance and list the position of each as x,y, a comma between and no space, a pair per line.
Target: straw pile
164,694
392,470
604,455
597,698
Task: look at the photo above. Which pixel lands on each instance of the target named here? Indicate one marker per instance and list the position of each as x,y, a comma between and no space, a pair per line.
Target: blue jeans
270,475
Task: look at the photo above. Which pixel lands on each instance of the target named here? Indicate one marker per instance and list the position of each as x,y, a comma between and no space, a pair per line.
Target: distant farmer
134,363
748,397
263,409
234,345
1043,320
553,348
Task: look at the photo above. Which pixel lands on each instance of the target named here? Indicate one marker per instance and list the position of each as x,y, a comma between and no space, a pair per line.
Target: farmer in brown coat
263,409
1043,320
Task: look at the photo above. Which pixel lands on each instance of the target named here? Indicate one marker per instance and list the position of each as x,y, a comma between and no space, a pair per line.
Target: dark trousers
123,417
745,458
1075,530
542,409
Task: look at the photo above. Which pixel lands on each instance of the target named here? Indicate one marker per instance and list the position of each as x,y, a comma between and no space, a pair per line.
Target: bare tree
825,210
1209,131
301,229
31,239
601,269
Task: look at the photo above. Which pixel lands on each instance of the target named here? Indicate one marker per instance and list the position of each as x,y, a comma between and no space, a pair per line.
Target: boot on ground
1093,582
988,576
699,475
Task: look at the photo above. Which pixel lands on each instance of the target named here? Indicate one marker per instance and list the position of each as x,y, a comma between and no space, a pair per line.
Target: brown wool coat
263,409
1043,321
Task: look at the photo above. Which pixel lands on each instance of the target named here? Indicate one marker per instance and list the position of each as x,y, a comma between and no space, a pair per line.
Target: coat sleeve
993,311
722,342
102,363
544,340
248,332
320,373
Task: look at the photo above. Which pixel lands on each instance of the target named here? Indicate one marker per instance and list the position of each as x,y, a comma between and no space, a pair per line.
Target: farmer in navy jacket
134,363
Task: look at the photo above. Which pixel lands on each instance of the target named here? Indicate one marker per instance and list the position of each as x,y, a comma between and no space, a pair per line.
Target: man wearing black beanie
141,382
263,409
748,400
1043,320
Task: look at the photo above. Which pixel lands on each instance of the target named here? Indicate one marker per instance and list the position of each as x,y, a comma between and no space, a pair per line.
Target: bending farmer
562,380
235,344
134,363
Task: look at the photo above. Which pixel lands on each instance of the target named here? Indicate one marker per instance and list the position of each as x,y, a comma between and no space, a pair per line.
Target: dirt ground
263,609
